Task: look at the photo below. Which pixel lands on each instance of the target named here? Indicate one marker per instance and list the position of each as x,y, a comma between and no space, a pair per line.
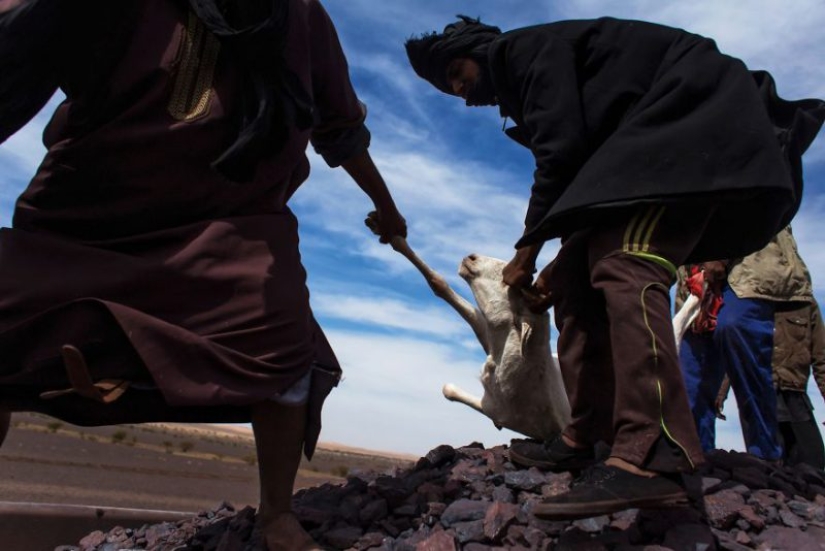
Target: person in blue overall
741,344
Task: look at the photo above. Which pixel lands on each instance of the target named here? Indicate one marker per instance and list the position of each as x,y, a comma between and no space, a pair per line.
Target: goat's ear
526,334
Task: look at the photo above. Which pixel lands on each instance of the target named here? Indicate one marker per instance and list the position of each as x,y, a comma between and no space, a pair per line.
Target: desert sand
169,467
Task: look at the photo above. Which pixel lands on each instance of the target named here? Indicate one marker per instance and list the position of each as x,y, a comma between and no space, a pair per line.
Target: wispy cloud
392,388
390,314
452,210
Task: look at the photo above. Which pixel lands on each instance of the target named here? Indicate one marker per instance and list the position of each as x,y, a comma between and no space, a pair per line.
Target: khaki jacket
799,347
775,273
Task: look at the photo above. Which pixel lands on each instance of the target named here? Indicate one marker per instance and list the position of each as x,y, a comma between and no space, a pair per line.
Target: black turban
431,54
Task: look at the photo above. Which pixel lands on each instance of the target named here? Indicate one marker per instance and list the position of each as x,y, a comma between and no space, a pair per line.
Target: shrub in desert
54,426
186,445
119,436
340,470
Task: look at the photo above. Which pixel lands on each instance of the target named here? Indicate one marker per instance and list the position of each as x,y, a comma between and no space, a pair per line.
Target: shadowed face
462,75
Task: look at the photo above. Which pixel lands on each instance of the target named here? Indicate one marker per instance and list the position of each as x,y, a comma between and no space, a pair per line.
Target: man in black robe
652,150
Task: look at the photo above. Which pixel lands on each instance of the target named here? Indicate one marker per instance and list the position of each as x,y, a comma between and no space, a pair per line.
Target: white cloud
391,395
389,314
453,209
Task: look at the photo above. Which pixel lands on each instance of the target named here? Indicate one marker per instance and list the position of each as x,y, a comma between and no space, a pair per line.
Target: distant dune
245,431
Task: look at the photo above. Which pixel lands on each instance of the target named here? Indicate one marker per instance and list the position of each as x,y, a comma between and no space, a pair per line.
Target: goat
523,387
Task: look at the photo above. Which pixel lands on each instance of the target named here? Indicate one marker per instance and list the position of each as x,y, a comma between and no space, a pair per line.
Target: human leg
744,340
279,438
806,446
584,358
650,400
799,433
703,376
633,265
583,346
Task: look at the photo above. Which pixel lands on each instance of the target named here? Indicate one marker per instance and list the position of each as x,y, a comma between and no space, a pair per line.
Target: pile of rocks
474,499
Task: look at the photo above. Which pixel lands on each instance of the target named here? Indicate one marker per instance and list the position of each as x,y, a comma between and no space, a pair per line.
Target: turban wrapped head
431,54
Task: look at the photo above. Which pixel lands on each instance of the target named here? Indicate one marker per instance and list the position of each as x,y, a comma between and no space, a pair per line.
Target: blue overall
741,346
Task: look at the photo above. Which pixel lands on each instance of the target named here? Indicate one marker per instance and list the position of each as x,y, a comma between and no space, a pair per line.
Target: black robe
620,113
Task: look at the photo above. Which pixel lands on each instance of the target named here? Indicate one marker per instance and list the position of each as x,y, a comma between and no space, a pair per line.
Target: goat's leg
455,394
442,290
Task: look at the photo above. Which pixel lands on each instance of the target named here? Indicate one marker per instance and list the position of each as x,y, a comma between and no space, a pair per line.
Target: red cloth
711,300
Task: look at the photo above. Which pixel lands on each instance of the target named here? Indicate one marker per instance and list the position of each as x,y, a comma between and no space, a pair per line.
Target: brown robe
127,245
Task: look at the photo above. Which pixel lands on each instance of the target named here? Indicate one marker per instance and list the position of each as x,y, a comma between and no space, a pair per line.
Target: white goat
523,387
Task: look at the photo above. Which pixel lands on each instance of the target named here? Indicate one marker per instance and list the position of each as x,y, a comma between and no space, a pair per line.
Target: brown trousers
611,288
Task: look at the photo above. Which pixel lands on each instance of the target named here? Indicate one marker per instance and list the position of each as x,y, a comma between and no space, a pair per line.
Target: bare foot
5,422
283,532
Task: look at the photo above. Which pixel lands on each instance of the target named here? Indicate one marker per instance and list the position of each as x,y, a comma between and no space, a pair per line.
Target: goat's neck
521,340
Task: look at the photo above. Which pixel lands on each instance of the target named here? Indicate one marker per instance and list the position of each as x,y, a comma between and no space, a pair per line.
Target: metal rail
44,526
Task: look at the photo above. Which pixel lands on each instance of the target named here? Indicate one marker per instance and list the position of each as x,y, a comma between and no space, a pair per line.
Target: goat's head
496,300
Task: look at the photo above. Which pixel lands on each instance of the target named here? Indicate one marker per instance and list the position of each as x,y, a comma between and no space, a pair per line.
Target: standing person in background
639,134
153,271
741,345
798,350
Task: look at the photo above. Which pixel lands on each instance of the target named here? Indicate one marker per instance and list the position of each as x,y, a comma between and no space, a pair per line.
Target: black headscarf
431,54
274,99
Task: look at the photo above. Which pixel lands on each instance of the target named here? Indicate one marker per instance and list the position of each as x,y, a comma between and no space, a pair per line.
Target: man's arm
519,271
721,396
716,273
362,169
818,347
340,135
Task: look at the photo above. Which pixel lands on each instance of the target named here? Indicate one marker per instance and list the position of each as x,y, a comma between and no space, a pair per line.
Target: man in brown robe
152,272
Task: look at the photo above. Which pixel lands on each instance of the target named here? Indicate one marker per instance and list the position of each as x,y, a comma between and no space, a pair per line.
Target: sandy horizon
244,431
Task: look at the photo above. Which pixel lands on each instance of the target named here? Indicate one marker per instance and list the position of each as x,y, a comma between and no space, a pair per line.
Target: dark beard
483,91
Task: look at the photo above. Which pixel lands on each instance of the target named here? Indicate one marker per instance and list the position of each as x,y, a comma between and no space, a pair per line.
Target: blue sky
463,187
